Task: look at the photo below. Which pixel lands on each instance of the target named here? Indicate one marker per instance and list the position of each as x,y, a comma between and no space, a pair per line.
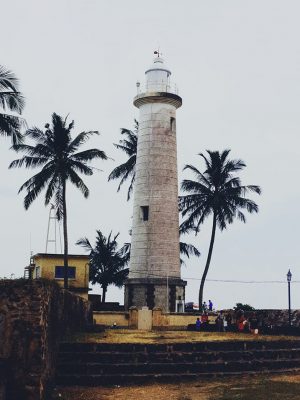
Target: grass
262,389
137,336
286,387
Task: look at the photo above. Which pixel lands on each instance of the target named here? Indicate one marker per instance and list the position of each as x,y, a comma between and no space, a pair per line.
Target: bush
244,307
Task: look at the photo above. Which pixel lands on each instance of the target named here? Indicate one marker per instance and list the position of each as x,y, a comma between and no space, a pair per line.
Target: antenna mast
53,239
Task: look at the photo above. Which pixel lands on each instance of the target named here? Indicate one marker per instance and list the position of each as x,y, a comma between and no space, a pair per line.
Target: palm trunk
211,245
65,231
104,290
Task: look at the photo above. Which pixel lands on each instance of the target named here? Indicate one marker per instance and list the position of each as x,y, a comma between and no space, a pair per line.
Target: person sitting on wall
204,306
220,322
204,319
253,323
210,305
198,324
243,324
228,319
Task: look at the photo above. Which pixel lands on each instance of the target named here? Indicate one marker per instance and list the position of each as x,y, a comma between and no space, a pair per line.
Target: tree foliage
217,192
56,154
127,170
107,261
11,104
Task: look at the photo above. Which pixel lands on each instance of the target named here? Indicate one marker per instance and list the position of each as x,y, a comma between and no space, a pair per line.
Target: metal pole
47,238
167,292
289,294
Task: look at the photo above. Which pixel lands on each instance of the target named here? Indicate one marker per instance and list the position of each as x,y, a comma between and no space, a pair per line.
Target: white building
154,278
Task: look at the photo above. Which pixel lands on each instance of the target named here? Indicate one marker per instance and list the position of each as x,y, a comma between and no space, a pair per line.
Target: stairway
92,364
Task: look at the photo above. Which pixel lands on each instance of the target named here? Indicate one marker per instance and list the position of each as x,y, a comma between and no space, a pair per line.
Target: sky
237,66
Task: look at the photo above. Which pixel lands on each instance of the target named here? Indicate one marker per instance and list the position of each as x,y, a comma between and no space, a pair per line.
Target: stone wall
180,321
277,317
34,315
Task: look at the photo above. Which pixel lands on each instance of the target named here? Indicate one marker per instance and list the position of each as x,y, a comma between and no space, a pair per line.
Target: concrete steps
92,364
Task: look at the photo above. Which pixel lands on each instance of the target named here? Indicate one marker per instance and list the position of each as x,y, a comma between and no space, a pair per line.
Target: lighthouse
154,278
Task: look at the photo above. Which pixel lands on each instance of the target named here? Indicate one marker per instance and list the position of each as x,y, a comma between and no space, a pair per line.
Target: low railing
157,87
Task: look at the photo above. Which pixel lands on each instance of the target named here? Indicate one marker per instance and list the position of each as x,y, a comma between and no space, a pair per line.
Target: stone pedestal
145,319
156,292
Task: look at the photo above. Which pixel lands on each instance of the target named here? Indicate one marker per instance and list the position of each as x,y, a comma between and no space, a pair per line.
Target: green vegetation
244,307
216,192
126,170
11,100
55,152
107,262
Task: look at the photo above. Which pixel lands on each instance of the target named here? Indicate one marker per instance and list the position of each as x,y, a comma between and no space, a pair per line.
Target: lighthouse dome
158,76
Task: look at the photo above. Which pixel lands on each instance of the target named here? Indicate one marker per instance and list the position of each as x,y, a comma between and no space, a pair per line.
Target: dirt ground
281,387
261,387
137,336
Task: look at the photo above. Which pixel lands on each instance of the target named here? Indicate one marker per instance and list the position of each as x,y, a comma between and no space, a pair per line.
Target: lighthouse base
167,294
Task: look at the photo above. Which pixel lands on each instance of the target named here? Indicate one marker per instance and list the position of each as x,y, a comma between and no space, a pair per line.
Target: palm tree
10,100
187,249
55,152
126,170
217,192
107,262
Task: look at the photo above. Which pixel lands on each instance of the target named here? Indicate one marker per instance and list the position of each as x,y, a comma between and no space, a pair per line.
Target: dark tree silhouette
127,170
55,152
216,192
107,262
11,100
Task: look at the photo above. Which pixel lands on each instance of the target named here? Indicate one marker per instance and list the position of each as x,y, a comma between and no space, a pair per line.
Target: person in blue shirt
210,305
198,324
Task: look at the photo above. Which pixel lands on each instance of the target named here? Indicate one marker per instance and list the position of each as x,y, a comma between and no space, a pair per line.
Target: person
220,322
204,306
242,323
204,319
253,323
198,324
210,305
228,319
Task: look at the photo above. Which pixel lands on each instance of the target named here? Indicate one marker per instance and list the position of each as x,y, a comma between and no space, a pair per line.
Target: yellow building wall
109,318
159,319
47,266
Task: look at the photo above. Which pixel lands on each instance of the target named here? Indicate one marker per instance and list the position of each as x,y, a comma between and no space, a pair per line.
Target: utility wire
150,274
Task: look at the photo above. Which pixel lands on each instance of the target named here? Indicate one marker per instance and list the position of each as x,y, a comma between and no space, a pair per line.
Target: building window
59,272
145,213
173,124
37,272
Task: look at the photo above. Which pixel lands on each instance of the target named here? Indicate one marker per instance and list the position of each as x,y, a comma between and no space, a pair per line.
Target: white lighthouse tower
154,275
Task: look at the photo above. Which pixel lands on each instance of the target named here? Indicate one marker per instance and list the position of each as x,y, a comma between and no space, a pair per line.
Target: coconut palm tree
107,262
188,250
10,100
55,152
216,192
127,169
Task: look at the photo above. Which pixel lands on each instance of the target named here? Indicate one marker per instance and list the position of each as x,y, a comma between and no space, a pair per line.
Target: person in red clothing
204,319
241,323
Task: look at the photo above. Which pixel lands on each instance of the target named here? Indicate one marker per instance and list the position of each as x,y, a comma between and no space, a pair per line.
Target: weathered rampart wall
161,320
34,315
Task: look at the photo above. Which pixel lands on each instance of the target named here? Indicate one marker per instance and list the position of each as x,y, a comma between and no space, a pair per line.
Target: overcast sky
237,66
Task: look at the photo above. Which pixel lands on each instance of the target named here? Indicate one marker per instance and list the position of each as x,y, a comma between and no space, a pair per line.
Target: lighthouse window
173,124
145,213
